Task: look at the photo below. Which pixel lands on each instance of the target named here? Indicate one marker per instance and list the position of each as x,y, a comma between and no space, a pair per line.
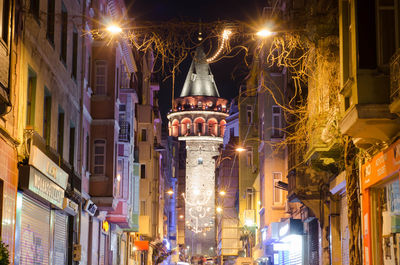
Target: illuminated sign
106,226
90,207
283,230
70,207
46,166
39,184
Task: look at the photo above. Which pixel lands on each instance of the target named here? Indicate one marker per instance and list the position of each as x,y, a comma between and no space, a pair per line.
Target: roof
199,80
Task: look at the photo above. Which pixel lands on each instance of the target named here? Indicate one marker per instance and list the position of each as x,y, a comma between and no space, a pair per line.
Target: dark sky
228,73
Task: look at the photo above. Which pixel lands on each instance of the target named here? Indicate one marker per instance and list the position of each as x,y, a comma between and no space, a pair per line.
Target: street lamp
240,149
219,209
264,33
170,192
222,193
114,29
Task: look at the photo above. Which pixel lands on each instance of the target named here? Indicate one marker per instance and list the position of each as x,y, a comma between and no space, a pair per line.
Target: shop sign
45,165
290,227
70,207
90,207
105,226
45,188
381,166
142,245
272,232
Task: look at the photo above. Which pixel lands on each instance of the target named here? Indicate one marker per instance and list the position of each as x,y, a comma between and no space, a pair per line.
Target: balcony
304,184
370,124
395,83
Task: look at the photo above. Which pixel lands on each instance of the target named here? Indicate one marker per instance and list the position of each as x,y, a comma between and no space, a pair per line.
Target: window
5,19
142,171
200,161
50,20
118,180
99,167
60,131
249,156
386,18
276,122
347,40
74,53
277,196
143,208
87,151
144,135
100,77
249,198
71,144
47,116
249,109
64,33
34,8
231,132
200,127
30,99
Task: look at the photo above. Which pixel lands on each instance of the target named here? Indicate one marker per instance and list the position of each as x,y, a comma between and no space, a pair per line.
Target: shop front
289,249
381,207
42,212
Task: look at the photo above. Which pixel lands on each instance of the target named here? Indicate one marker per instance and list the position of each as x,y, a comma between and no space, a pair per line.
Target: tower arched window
212,127
222,127
199,127
175,128
186,124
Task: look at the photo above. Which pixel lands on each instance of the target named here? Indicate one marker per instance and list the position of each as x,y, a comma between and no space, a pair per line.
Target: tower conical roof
199,80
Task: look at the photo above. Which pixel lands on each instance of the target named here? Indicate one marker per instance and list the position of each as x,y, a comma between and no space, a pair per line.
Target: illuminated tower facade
198,118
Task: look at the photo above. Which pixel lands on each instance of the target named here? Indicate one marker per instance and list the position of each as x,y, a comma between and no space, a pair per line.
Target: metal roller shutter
35,232
60,238
95,242
102,249
344,230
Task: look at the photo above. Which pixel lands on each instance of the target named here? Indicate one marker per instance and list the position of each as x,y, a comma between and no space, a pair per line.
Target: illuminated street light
114,29
219,209
240,149
181,216
222,193
264,33
249,222
170,192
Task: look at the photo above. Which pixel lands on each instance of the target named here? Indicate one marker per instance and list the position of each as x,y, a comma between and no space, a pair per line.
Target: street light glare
170,192
264,33
222,193
219,209
114,29
240,149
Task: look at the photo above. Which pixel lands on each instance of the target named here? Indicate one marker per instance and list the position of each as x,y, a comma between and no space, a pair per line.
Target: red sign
381,166
142,245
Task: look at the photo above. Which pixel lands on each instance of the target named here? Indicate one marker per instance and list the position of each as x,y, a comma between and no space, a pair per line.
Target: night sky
228,73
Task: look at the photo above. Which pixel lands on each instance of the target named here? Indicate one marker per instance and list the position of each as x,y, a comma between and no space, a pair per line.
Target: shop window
142,171
5,19
47,116
50,21
99,157
64,34
30,99
277,195
276,122
100,77
60,131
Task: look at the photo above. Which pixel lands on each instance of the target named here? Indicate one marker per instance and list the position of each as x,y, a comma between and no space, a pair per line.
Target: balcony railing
395,76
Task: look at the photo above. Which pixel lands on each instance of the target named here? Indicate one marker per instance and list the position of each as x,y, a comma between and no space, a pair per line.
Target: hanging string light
225,37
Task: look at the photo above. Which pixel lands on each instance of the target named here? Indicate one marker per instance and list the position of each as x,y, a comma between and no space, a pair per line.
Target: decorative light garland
198,209
225,36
